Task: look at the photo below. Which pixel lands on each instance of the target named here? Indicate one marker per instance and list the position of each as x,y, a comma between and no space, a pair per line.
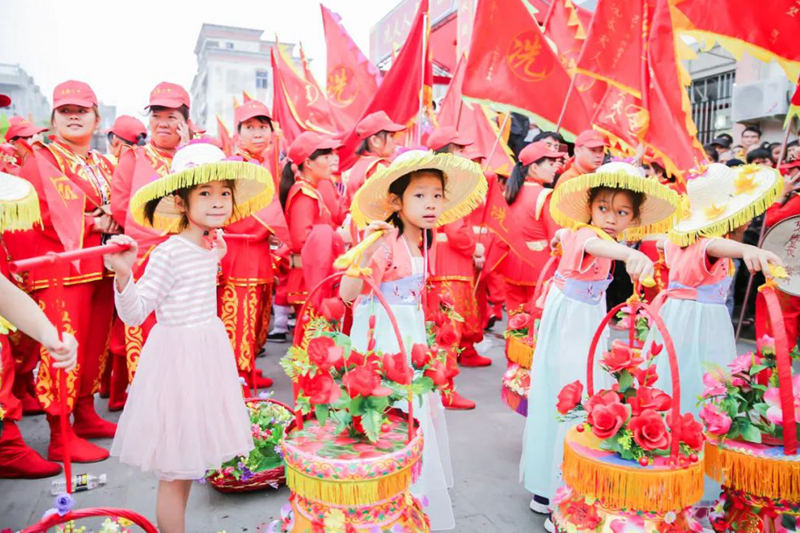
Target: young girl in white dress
185,413
405,201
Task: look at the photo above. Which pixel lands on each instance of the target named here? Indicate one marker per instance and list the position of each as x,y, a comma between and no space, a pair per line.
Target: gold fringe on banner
519,352
348,492
631,488
760,476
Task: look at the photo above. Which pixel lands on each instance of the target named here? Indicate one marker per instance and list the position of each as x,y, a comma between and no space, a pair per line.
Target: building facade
230,60
26,97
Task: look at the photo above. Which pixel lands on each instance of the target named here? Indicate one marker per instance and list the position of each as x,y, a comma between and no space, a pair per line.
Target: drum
783,239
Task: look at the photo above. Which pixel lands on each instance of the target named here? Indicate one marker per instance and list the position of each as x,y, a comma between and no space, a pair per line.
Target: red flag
351,79
224,137
511,63
496,219
766,30
470,119
613,50
281,109
65,203
245,97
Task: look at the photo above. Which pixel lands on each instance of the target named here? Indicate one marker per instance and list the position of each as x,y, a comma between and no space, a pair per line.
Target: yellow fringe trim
618,180
769,478
20,215
519,352
631,488
362,492
205,173
723,226
377,187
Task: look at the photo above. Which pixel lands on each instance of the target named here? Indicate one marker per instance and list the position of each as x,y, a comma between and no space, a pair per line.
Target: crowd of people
151,322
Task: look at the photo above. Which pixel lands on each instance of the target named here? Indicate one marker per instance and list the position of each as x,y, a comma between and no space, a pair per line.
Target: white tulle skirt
437,471
185,413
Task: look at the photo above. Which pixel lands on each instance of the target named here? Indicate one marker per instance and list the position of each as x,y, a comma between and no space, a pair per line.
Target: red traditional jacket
70,187
364,167
452,251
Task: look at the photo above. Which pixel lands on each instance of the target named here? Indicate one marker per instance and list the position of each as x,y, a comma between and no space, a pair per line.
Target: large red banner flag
351,78
224,136
282,111
766,30
614,47
511,65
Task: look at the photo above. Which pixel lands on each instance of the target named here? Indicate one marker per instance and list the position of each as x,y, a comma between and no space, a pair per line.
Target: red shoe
469,357
81,450
18,460
115,405
88,423
454,400
30,404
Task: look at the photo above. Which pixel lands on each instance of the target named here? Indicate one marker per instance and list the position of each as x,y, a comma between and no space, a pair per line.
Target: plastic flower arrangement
356,389
268,420
742,401
519,325
632,419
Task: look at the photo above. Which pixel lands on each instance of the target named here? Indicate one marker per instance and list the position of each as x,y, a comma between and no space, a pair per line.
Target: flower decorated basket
520,337
350,456
634,464
750,411
63,518
263,467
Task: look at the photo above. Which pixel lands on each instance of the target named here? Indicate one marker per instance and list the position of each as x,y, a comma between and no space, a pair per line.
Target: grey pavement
485,446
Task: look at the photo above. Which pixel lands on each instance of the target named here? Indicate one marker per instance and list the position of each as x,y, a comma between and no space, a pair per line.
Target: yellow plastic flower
334,522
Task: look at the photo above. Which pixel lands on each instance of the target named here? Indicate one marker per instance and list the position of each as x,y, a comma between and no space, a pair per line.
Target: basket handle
784,364
55,519
298,338
635,305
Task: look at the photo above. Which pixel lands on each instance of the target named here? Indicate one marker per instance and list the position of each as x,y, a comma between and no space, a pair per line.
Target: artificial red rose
621,357
321,389
323,352
355,358
519,321
691,430
446,336
358,425
649,430
608,419
438,373
569,397
420,355
603,397
396,369
649,398
364,381
645,376
332,308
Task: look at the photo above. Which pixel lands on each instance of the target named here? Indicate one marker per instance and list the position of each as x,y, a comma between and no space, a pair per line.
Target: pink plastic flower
717,422
713,384
772,397
765,342
742,364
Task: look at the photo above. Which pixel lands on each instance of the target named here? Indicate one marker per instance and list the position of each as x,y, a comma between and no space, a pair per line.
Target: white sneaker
538,507
548,526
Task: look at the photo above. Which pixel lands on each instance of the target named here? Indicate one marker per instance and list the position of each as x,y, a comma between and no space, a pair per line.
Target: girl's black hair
287,175
263,119
183,194
517,179
140,138
542,135
637,198
183,110
363,146
399,186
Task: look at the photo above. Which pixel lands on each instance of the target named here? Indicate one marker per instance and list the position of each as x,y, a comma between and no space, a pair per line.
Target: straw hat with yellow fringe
724,198
199,163
569,204
465,186
19,204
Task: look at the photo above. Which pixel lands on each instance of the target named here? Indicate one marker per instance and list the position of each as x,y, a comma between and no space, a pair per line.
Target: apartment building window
229,45
712,99
262,79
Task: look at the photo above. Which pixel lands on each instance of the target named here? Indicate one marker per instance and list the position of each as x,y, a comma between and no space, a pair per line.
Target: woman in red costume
73,185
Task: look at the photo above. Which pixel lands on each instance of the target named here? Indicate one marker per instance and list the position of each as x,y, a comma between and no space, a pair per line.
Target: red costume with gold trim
491,291
69,186
364,167
530,216
137,166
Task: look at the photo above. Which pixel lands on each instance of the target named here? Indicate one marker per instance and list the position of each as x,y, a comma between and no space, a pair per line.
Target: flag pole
566,99
422,78
746,300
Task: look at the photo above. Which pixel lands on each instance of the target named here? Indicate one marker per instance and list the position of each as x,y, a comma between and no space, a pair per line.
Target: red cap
536,151
5,100
250,109
167,94
446,135
309,142
73,92
591,139
21,127
128,128
375,123
785,167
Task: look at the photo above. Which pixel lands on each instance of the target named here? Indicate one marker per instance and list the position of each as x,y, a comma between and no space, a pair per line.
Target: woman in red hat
126,131
376,149
528,196
73,185
309,215
245,287
169,113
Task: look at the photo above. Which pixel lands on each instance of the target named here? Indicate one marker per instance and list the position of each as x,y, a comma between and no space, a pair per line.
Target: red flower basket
55,519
